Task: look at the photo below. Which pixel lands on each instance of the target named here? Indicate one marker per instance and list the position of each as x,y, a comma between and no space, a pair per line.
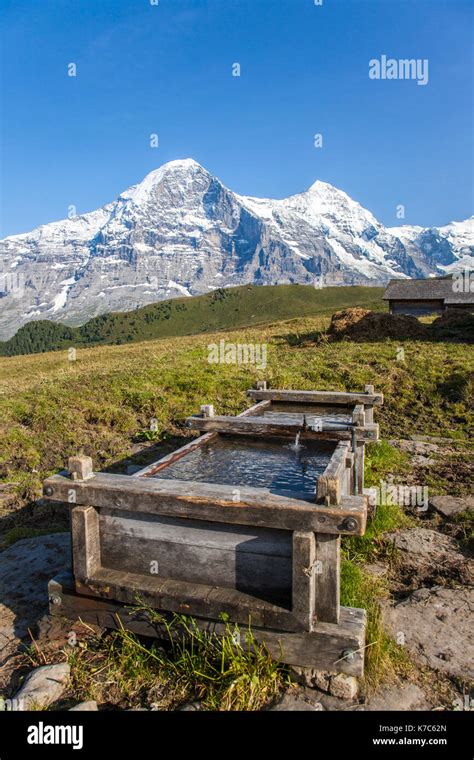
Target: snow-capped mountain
182,232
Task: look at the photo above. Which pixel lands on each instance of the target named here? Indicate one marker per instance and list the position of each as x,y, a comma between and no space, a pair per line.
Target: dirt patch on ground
364,325
427,557
453,324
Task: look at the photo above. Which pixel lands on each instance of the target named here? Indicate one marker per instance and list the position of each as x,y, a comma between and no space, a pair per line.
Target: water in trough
288,468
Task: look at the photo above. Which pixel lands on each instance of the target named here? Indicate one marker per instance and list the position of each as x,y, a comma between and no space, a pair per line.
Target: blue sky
167,69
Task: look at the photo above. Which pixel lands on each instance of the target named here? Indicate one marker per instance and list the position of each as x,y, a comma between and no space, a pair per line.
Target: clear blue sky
166,69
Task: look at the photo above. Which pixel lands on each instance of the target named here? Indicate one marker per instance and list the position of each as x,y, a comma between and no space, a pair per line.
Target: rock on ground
25,569
416,448
43,686
449,506
339,685
436,627
428,553
296,700
90,706
407,697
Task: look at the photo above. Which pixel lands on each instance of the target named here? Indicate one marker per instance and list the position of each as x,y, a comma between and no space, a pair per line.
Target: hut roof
431,289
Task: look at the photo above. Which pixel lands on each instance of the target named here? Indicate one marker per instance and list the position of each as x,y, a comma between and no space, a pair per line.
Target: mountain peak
173,170
320,185
181,163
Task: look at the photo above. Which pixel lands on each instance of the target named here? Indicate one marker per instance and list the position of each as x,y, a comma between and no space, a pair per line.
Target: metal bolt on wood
347,654
349,524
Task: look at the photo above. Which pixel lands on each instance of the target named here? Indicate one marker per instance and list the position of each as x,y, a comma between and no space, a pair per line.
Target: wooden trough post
303,586
369,408
80,468
328,546
84,523
207,410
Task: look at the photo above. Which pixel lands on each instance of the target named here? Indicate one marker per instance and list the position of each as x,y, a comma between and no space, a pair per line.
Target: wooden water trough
244,521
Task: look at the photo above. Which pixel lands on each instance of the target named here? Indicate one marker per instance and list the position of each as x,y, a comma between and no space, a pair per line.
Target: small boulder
338,685
296,701
449,506
435,626
90,706
425,553
397,698
43,686
344,686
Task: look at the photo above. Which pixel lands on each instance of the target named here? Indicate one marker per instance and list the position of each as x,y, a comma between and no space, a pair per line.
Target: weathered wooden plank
320,649
85,541
359,466
317,397
188,598
369,409
304,556
199,533
331,483
208,501
337,463
358,415
277,425
256,561
264,576
327,578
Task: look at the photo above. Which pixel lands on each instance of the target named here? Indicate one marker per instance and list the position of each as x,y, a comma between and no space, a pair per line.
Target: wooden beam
209,501
183,597
358,415
85,541
369,409
359,464
322,649
327,578
330,484
318,397
256,561
303,587
277,426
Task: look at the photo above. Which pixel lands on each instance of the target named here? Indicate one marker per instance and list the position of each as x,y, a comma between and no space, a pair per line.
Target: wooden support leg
327,578
359,464
85,542
303,596
369,409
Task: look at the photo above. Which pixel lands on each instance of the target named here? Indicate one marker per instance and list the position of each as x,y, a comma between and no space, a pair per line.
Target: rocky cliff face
181,232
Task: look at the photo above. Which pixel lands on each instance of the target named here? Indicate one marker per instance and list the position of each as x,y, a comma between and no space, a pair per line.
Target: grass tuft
231,671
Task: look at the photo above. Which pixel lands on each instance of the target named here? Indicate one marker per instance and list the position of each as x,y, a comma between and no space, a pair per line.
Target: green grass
226,672
382,460
384,658
51,408
224,308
